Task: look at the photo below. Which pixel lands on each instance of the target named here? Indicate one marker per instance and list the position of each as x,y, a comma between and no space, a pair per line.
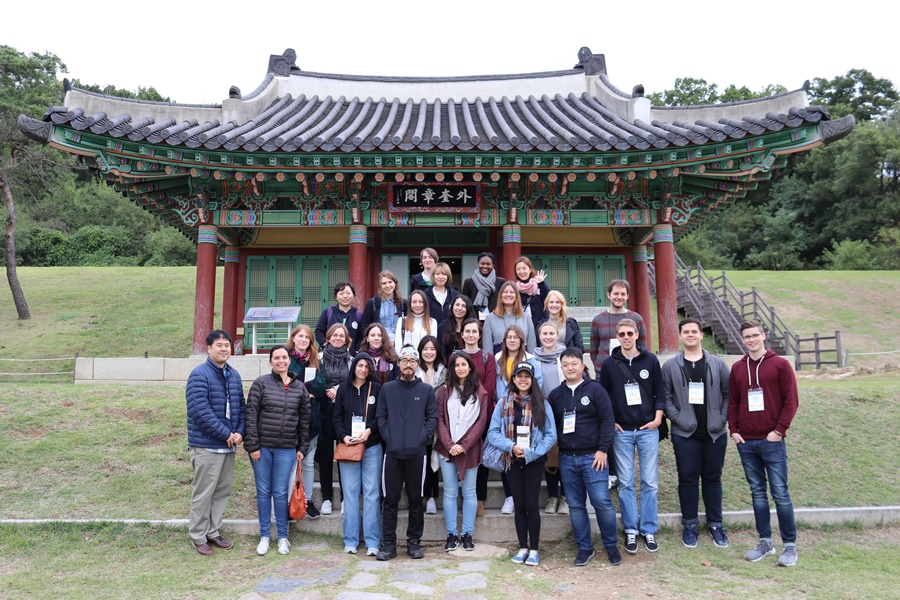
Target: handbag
350,453
492,457
297,506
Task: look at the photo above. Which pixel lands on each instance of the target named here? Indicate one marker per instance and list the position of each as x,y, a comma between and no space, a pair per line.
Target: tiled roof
560,123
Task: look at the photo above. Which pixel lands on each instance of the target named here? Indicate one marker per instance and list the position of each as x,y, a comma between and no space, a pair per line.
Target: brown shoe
204,549
479,512
220,542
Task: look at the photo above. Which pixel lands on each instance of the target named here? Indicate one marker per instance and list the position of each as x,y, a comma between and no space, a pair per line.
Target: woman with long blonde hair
567,328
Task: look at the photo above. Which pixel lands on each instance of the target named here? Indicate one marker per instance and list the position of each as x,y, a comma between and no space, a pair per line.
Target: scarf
303,359
550,367
529,288
336,364
508,418
485,287
461,416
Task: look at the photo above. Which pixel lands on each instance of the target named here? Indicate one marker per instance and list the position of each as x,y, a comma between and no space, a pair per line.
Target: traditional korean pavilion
313,178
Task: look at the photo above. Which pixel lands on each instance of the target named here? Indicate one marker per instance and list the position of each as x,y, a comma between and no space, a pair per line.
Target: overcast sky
193,51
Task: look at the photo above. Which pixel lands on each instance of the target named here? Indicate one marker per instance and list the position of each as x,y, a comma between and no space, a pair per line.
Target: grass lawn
863,305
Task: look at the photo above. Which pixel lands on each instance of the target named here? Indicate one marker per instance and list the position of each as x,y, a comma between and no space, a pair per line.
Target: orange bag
297,506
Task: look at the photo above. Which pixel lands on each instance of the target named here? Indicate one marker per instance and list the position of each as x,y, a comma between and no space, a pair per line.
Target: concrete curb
497,528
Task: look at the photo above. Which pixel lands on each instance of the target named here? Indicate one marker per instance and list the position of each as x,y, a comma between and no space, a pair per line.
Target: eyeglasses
406,361
752,336
626,334
513,338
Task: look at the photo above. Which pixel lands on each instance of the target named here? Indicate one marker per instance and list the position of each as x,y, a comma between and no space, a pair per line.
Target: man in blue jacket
215,422
584,428
633,379
406,413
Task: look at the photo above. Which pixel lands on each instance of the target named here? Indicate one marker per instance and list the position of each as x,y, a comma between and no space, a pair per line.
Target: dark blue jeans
580,480
696,460
764,460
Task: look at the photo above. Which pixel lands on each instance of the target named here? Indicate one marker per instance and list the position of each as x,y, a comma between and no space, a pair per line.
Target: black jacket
440,312
275,417
594,420
407,417
644,370
351,319
352,401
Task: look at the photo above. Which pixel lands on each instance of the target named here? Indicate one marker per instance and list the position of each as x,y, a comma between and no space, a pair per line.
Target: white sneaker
326,508
552,505
371,551
349,549
563,508
508,506
613,481
284,546
263,546
430,507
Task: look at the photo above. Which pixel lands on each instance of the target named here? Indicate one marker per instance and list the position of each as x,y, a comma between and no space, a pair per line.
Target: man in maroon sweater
763,403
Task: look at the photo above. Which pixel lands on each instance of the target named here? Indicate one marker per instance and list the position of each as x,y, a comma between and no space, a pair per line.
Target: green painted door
304,281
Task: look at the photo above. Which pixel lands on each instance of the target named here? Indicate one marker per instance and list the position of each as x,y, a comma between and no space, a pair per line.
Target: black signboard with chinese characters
434,197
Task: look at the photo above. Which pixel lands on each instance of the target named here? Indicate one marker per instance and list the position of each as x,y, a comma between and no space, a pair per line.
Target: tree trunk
11,275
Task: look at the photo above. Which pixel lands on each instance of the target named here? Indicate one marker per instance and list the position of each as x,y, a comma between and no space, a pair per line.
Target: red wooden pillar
358,253
641,288
666,301
205,295
512,248
230,291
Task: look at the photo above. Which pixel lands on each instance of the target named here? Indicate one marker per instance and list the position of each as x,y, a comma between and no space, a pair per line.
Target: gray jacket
679,410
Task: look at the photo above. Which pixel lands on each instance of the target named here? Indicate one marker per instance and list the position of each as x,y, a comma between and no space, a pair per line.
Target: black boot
412,548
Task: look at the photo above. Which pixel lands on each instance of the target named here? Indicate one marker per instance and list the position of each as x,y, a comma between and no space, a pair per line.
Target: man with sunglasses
633,379
763,402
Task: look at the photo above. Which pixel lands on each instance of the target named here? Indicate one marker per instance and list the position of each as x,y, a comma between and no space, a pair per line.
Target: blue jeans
363,477
451,491
272,473
646,442
580,479
309,467
763,459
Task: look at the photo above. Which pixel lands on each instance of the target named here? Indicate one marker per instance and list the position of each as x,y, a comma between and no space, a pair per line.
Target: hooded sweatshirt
646,372
780,399
407,417
352,401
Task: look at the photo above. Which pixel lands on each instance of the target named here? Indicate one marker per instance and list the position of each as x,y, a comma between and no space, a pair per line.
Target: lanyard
759,364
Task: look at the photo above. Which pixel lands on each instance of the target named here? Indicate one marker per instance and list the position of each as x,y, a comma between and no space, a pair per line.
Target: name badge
482,314
755,401
695,392
523,436
613,344
569,422
309,374
357,426
632,394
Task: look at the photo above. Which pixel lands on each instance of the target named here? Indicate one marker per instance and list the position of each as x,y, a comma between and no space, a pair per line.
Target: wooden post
816,348
666,301
205,293
512,248
357,258
837,349
641,287
230,292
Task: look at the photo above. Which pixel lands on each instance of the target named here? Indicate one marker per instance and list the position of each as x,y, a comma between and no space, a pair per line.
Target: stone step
494,500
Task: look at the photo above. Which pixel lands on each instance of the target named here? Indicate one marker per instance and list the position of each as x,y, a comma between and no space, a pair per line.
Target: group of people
435,382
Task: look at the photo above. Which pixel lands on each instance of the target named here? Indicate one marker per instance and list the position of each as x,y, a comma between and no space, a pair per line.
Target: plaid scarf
508,417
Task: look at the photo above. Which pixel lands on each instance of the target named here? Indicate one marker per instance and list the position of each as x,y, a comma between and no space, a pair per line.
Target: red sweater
776,378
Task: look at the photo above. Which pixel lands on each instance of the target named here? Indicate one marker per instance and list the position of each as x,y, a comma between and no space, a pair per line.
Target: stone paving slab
363,596
362,580
473,581
413,588
414,576
475,566
283,584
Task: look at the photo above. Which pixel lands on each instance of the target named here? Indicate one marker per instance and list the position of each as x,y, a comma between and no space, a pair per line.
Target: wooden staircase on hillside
721,307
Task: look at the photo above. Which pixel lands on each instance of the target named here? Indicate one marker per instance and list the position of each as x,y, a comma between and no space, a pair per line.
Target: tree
28,83
858,92
687,91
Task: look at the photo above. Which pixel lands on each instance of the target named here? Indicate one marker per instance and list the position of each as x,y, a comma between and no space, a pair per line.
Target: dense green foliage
66,217
836,207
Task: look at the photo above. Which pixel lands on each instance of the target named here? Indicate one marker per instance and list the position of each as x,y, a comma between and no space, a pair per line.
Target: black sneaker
630,543
584,557
720,538
452,542
311,511
467,542
689,536
612,553
386,553
413,550
650,543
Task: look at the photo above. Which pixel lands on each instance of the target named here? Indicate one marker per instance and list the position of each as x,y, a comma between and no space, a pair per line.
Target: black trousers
431,489
525,484
397,472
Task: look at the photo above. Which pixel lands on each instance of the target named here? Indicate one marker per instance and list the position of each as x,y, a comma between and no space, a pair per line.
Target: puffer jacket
206,392
277,417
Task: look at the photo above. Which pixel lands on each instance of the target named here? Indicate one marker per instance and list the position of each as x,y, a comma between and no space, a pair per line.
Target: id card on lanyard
632,394
523,436
755,400
695,392
568,422
357,426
